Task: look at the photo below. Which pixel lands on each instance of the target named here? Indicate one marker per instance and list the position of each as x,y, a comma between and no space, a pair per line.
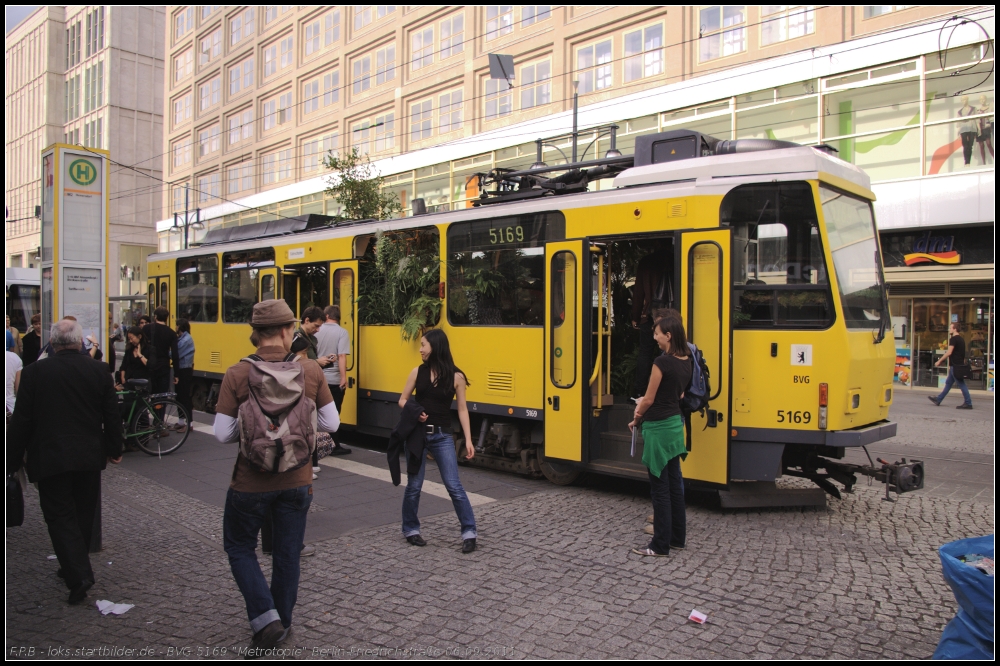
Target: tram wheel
559,473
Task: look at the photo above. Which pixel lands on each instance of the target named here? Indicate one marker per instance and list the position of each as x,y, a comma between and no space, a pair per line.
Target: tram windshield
850,230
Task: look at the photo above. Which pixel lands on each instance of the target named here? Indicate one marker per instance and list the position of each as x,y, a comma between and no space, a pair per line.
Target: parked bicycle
157,423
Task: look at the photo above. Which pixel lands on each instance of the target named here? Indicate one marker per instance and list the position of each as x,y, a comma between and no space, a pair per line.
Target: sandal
648,552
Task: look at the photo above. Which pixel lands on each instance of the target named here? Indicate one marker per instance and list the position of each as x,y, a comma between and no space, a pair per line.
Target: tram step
619,416
616,446
755,494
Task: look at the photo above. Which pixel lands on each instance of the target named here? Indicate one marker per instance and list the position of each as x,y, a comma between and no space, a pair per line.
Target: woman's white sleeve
226,429
328,417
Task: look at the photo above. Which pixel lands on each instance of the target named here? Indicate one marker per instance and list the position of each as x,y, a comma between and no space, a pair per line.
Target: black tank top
435,400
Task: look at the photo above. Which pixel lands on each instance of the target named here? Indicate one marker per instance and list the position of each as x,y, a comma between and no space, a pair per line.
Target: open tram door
343,290
706,305
158,294
565,385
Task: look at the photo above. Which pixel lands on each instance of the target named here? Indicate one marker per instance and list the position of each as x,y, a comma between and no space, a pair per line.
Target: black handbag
962,372
15,502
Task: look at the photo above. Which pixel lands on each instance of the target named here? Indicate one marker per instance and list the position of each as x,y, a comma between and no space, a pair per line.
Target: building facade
258,95
90,75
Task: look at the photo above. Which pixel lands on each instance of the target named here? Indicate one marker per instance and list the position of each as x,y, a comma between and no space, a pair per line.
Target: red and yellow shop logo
933,250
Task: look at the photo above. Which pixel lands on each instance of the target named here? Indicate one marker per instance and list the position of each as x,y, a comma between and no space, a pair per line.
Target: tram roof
711,175
782,161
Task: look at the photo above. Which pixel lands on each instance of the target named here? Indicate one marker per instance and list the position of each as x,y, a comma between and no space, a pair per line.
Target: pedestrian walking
659,412
31,342
305,345
333,344
164,344
437,381
958,370
279,485
184,372
69,435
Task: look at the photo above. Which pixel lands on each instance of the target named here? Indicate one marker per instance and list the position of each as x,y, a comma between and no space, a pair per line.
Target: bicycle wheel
156,426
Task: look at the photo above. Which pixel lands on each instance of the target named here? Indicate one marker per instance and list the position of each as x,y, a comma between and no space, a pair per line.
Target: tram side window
314,286
779,273
239,283
198,288
399,274
496,269
22,304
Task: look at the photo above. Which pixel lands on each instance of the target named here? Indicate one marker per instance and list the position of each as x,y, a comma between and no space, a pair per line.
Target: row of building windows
642,57
244,23
323,31
92,134
78,42
722,32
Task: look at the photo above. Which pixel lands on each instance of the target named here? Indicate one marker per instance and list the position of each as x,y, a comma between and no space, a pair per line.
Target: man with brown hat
258,489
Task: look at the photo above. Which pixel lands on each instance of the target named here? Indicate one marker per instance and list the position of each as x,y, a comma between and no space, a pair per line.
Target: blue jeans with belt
951,381
442,447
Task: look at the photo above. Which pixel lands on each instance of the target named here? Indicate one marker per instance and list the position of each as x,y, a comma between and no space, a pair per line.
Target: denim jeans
669,520
442,447
242,520
948,383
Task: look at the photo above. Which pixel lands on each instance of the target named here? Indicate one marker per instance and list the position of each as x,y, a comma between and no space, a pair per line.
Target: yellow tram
775,265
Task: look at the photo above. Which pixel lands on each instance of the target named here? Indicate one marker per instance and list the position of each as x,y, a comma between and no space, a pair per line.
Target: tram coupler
899,477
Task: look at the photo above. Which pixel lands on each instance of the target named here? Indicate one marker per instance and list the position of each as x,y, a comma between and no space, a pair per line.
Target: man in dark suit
66,420
164,341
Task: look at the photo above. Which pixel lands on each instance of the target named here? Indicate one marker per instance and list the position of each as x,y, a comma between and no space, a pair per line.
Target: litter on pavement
109,607
698,617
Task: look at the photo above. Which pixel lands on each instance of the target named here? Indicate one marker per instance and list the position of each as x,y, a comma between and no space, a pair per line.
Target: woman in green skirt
659,412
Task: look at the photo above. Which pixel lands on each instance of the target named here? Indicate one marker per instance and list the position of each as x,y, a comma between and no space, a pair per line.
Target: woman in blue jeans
437,381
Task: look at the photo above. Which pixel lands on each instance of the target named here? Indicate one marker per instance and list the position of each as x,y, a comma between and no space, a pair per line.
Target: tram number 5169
507,235
788,416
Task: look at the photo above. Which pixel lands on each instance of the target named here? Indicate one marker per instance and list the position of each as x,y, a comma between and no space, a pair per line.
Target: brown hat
272,313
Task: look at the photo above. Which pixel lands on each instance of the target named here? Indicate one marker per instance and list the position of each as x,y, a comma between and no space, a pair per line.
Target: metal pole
538,151
185,216
576,99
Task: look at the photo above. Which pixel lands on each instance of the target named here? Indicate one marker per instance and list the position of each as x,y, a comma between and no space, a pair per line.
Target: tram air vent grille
501,382
966,288
216,358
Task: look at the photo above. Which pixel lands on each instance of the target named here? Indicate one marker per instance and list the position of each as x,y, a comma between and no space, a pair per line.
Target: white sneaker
315,476
316,470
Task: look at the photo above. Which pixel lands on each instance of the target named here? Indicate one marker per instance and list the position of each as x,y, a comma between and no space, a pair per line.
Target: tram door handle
554,401
350,382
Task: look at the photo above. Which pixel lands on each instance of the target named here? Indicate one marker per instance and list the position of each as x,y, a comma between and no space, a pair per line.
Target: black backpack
698,391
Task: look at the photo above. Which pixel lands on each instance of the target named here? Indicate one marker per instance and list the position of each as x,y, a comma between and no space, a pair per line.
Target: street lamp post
187,223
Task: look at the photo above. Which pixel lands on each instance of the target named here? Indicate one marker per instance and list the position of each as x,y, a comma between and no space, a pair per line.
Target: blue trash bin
970,634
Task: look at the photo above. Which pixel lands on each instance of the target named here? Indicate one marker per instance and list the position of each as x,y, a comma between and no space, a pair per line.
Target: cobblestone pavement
553,576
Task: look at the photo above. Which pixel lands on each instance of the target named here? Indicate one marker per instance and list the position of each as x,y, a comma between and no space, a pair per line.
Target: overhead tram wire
344,135
531,133
591,128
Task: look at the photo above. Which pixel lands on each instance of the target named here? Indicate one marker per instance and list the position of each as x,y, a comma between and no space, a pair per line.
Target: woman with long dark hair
437,381
659,412
135,360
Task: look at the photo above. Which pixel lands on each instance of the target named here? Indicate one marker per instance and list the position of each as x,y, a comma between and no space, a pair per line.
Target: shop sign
929,249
